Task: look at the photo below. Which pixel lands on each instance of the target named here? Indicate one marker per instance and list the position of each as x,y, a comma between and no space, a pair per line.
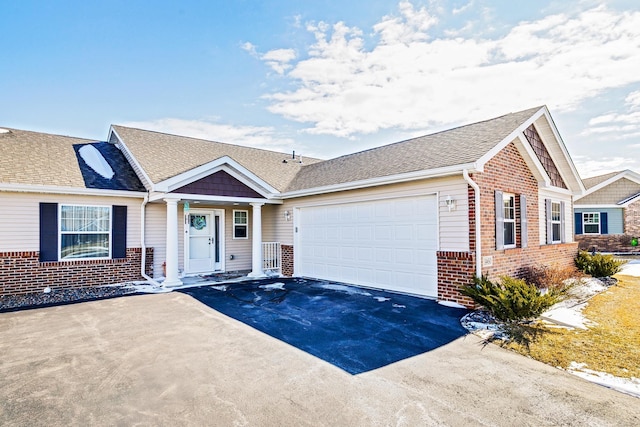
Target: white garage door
388,244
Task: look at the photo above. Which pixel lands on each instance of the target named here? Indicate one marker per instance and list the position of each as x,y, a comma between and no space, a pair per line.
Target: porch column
256,240
171,278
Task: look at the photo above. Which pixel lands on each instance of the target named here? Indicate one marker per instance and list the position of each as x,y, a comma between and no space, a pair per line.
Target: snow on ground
272,286
343,288
567,313
626,385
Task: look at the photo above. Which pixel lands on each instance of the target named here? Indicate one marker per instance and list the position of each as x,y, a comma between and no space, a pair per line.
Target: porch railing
271,256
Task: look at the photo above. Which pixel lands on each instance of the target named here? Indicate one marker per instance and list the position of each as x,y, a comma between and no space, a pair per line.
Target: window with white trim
85,232
591,222
509,209
240,224
556,222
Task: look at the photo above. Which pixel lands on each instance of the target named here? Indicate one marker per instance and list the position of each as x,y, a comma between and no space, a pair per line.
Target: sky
325,77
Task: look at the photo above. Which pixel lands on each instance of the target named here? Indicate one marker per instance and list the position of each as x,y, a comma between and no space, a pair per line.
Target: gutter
143,258
476,190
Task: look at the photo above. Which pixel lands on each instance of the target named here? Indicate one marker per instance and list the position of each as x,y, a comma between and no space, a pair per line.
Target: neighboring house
607,215
420,216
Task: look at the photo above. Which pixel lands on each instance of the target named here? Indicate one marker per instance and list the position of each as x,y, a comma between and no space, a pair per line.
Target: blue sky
325,78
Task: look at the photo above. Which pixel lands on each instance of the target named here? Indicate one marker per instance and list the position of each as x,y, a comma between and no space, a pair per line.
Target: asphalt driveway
168,359
355,329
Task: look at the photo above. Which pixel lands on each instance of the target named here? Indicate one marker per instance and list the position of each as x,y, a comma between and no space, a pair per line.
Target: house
421,216
607,215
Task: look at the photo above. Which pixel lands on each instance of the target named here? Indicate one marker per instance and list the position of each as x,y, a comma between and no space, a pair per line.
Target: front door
203,248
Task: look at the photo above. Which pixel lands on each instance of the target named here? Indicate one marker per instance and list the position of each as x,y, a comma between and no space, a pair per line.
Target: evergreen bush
512,300
598,265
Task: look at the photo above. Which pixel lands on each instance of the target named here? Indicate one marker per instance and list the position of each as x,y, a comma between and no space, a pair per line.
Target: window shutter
604,223
577,217
562,229
119,232
524,223
499,220
547,205
48,232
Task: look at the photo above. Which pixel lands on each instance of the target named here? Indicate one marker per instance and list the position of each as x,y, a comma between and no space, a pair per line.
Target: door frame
221,237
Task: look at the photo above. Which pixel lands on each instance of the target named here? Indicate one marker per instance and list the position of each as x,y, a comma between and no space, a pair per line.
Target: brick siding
507,172
287,260
22,272
632,219
606,242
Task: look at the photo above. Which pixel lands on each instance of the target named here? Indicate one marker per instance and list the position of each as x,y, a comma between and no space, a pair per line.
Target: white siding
453,226
542,214
20,217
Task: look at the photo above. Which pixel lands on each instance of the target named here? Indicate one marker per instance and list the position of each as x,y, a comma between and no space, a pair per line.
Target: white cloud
248,136
278,59
618,125
410,80
588,167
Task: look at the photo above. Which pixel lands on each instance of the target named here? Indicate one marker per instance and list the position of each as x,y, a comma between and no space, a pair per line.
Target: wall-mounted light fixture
287,216
451,203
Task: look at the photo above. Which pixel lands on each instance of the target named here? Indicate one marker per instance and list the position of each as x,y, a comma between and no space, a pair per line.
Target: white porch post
172,244
256,240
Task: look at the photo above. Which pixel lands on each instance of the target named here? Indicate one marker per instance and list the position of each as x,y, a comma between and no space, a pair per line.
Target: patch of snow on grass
625,385
273,286
632,268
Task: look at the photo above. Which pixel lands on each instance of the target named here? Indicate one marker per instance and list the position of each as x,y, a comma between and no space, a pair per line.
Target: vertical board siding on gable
20,217
453,226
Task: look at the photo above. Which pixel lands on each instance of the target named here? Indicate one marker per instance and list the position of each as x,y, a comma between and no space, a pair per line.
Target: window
591,222
509,209
85,231
240,224
556,222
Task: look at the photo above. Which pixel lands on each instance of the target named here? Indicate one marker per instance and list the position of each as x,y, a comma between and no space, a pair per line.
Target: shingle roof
595,180
458,146
34,158
39,159
163,156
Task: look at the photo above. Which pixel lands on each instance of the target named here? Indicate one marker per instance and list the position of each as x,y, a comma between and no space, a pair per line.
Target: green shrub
511,300
598,265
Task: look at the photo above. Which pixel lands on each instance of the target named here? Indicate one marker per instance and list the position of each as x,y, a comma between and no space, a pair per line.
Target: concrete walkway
168,360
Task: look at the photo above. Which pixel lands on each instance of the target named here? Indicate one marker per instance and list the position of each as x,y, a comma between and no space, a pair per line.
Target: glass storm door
204,253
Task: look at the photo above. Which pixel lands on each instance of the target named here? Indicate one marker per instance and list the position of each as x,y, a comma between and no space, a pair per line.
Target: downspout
144,247
476,190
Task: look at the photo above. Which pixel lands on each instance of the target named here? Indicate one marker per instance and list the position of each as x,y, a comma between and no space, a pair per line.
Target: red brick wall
454,270
287,260
507,172
606,242
22,272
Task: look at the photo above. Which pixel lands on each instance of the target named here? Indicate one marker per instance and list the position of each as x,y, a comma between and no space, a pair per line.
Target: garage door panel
389,244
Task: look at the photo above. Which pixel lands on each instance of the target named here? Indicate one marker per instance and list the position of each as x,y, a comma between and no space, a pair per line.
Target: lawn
611,345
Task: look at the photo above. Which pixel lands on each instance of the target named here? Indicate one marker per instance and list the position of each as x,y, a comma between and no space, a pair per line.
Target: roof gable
616,188
219,183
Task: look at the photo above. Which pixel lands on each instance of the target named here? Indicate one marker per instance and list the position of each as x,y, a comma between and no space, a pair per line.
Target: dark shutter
547,209
48,232
499,220
604,223
119,232
524,223
577,217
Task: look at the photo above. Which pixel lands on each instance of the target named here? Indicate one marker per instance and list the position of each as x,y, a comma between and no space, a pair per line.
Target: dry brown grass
612,345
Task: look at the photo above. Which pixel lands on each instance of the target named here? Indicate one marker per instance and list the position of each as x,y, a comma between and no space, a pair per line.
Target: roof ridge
431,134
211,141
11,130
